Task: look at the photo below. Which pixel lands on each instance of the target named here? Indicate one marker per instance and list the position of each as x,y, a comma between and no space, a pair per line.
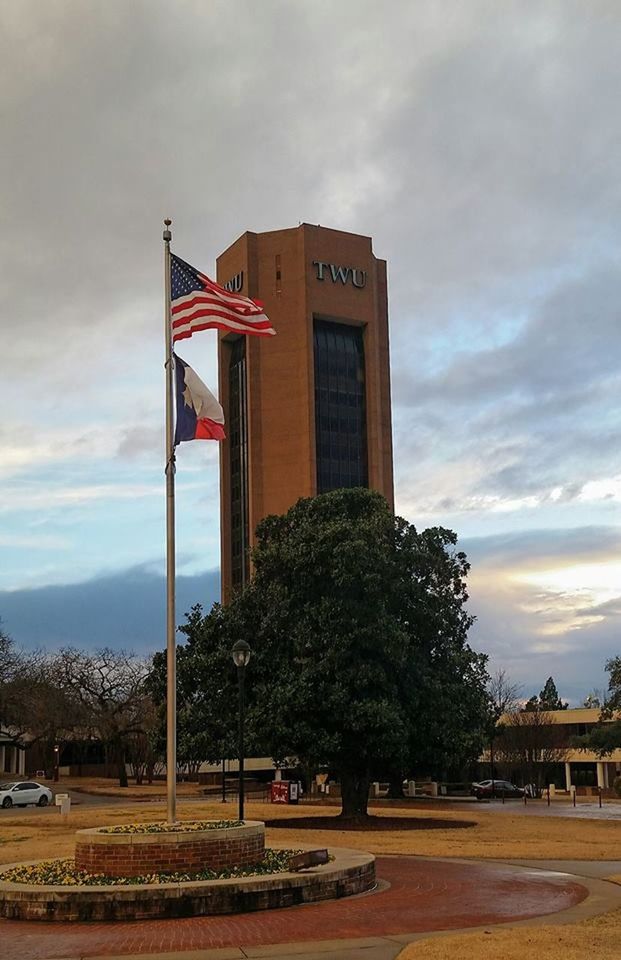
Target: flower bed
139,850
184,826
65,873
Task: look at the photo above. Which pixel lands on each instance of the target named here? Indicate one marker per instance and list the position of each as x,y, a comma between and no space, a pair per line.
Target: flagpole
171,680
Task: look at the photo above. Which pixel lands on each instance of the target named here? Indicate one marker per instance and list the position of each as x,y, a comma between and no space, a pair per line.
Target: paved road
586,810
77,799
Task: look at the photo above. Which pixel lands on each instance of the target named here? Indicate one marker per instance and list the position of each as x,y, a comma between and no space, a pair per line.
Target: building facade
12,756
552,749
308,410
583,767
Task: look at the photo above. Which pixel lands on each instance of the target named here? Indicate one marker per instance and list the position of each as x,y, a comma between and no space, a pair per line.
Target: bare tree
594,699
531,740
33,709
504,692
110,687
142,746
17,669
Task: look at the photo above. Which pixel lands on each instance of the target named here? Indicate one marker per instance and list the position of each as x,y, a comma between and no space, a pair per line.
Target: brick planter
351,872
137,854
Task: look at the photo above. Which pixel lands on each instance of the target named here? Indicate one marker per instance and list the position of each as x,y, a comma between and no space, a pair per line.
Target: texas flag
199,415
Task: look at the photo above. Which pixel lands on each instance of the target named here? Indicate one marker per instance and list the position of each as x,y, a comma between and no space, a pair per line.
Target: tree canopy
358,628
604,738
548,698
109,688
78,695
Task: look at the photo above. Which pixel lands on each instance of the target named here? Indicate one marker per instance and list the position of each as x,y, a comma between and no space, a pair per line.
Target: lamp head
241,653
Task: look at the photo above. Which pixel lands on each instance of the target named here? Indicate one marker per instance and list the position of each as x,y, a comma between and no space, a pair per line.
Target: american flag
200,304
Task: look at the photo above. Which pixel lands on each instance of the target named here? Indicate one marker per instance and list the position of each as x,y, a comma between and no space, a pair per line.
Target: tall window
238,446
340,416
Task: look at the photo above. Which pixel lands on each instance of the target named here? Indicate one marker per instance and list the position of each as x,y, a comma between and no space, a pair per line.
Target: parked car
20,794
496,788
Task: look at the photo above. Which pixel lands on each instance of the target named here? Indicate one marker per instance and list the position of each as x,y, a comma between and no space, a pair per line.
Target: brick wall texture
181,853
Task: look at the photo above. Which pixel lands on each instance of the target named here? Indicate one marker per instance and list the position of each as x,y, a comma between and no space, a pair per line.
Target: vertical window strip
238,452
340,415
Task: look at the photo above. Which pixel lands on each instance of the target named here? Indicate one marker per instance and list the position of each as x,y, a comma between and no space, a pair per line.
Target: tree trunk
395,786
123,781
354,795
107,763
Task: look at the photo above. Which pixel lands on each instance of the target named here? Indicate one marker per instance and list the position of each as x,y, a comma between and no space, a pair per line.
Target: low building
579,763
12,756
541,746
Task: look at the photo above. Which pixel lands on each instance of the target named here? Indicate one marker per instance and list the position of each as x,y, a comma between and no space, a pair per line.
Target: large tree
359,634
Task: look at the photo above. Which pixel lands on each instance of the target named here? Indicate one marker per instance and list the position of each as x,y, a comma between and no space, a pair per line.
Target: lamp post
56,759
241,656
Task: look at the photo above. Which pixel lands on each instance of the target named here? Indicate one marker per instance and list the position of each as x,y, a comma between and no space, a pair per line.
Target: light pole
241,656
56,760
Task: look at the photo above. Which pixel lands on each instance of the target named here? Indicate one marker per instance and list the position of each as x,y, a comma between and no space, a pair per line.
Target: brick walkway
424,895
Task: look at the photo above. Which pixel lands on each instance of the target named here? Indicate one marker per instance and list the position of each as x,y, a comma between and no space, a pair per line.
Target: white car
19,794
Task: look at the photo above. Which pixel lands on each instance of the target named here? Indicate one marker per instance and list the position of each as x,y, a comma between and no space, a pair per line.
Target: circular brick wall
137,854
351,872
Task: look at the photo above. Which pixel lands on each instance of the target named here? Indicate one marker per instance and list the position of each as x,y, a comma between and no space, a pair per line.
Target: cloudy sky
479,144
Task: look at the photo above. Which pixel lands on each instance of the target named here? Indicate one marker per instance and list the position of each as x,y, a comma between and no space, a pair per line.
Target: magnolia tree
358,628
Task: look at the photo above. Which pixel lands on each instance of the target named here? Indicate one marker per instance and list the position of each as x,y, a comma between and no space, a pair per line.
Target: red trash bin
279,791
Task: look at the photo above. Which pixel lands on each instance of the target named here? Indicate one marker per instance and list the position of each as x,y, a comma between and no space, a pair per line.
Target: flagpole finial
167,235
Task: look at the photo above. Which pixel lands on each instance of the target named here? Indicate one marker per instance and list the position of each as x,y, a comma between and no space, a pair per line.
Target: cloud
503,428
78,494
479,144
34,541
540,549
548,602
123,610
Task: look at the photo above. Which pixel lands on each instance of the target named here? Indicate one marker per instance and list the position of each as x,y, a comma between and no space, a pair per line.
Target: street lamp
241,656
56,759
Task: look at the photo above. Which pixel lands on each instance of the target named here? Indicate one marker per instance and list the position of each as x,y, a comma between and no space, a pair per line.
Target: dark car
496,788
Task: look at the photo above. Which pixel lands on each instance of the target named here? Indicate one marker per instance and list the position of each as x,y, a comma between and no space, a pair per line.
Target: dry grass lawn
599,937
494,834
